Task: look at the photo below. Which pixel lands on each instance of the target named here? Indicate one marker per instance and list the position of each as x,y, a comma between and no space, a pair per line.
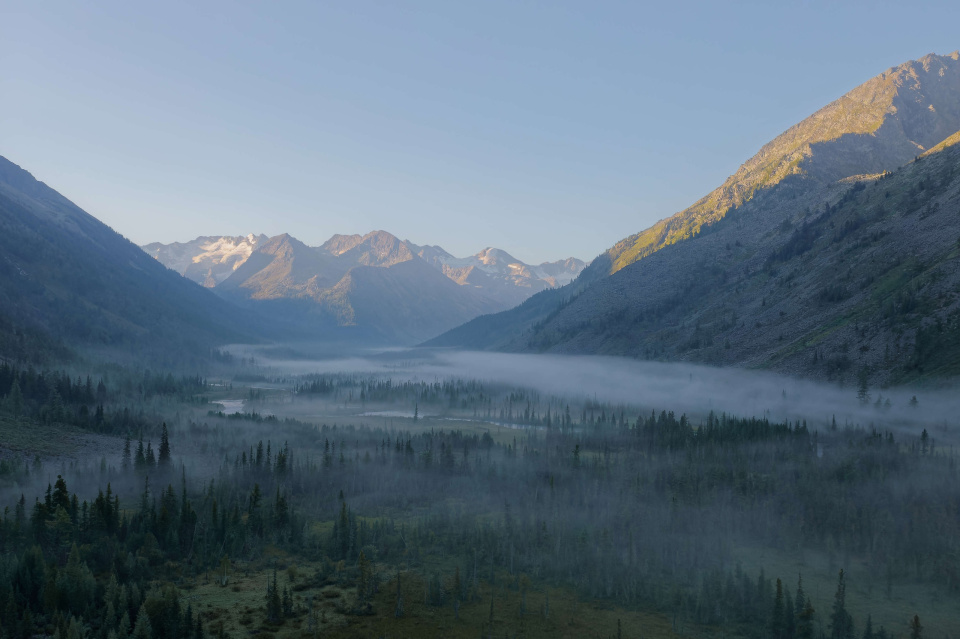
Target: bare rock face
206,260
877,127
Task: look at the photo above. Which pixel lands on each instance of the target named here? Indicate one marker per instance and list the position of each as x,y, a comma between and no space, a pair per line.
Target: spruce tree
140,460
15,398
916,629
803,613
151,460
841,623
163,460
777,618
274,603
142,629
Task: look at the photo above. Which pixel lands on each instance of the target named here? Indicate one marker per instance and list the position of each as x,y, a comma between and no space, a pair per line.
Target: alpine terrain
373,287
833,252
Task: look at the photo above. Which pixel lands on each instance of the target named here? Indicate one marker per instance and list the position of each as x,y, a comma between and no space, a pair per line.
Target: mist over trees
470,498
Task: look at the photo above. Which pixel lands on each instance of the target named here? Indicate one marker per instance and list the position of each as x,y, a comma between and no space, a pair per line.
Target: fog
550,471
688,388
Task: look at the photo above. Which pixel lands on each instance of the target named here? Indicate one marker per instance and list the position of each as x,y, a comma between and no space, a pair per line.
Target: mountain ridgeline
371,288
68,282
831,253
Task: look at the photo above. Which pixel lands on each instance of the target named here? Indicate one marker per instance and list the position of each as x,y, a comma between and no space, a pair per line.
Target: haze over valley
741,420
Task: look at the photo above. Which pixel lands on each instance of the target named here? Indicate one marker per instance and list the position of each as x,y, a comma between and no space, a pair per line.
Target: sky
547,129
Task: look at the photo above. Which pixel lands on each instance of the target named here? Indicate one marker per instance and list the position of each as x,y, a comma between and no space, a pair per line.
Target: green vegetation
457,507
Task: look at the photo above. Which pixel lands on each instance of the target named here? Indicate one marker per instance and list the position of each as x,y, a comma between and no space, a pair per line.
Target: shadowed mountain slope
815,272
68,280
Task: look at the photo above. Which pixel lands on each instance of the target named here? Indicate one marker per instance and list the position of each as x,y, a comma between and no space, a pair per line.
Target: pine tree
803,613
125,464
863,391
363,580
61,496
142,629
55,406
163,460
801,601
15,398
841,623
916,629
140,460
151,460
790,624
777,623
274,602
398,612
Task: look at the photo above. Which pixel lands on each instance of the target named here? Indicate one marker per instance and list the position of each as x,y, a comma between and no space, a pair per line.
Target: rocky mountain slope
206,260
802,261
878,126
374,286
68,282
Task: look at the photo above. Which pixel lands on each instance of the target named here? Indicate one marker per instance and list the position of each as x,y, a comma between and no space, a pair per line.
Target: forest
279,503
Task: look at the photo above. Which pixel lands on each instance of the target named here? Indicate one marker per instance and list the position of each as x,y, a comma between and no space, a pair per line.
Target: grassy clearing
47,440
939,609
329,608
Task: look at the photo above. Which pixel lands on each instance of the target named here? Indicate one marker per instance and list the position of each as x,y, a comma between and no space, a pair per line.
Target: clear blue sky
547,129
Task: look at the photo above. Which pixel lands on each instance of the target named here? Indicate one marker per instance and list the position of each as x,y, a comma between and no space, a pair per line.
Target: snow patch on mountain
210,260
227,250
207,260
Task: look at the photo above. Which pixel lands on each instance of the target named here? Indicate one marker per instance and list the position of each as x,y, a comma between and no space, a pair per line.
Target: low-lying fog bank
688,388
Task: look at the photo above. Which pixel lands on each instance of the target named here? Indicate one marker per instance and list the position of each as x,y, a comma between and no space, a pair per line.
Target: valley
739,422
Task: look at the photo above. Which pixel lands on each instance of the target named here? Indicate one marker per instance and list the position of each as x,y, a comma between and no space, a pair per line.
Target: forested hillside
534,515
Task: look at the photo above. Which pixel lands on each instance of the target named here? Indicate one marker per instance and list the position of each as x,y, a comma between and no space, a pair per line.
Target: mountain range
833,252
373,287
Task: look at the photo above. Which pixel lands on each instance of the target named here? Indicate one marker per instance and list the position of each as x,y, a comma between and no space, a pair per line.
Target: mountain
501,275
365,287
68,282
831,253
879,126
206,260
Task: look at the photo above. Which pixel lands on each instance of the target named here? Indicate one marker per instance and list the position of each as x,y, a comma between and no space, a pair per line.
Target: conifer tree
140,460
15,398
777,623
274,603
803,613
363,580
916,630
841,623
163,460
151,460
142,629
398,612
